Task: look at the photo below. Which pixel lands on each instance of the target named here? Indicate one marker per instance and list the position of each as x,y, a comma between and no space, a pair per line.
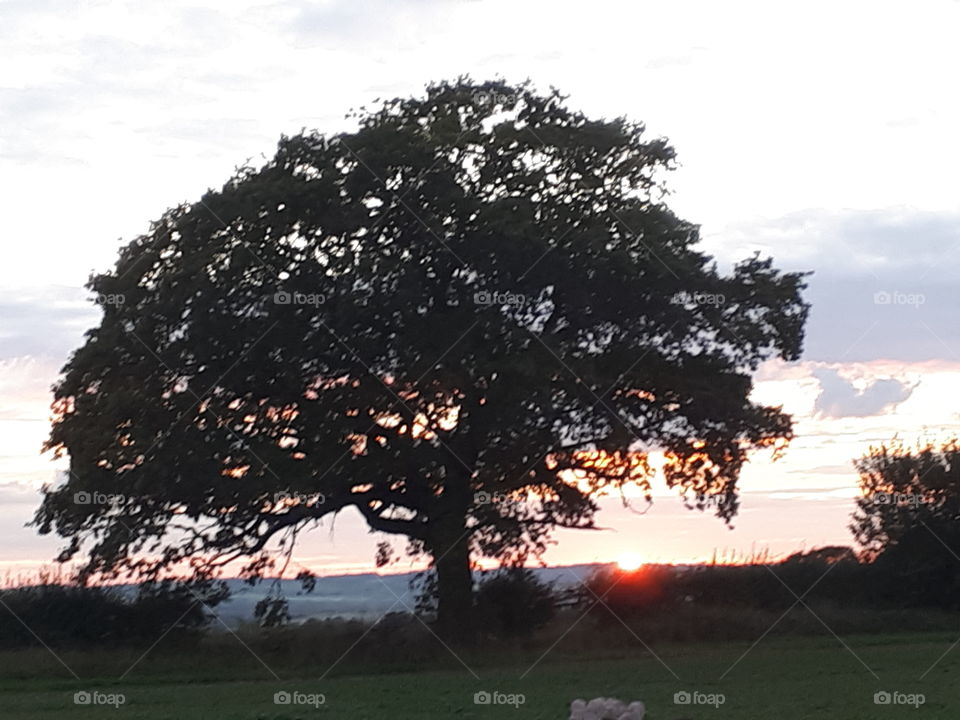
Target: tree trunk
455,618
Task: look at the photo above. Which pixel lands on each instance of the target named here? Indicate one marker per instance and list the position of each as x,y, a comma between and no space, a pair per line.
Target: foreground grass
782,678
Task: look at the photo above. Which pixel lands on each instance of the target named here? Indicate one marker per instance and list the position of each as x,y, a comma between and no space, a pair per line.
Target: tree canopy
465,319
906,518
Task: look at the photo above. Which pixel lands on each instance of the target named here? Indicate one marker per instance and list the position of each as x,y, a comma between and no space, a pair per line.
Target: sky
823,134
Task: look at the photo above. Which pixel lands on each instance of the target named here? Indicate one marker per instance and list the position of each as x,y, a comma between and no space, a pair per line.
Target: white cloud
841,398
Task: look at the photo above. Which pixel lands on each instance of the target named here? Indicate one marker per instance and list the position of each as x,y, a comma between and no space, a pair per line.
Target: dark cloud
840,398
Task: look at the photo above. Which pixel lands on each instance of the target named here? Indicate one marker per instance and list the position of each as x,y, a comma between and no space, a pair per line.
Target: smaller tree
908,519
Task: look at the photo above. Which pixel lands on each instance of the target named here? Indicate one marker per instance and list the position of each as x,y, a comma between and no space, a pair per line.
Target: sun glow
628,562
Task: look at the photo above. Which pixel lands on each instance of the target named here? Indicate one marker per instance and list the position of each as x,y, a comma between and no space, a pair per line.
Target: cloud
838,469
883,283
44,322
840,398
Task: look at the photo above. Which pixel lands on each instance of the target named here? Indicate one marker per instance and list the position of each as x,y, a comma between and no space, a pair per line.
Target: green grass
781,678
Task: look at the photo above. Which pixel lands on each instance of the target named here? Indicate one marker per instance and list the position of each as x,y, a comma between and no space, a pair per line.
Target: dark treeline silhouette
657,601
905,574
832,575
72,615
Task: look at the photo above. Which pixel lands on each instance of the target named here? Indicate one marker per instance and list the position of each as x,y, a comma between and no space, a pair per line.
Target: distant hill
366,596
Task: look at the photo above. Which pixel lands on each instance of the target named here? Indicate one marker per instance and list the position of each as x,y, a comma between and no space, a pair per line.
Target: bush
629,593
512,602
69,615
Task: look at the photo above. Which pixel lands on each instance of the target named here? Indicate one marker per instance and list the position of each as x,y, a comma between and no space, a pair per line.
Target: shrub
629,593
513,602
75,615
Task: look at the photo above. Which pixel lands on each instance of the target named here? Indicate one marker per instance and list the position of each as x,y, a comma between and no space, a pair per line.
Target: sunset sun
629,561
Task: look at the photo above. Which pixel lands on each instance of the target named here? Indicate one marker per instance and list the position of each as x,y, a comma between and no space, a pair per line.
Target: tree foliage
464,320
908,519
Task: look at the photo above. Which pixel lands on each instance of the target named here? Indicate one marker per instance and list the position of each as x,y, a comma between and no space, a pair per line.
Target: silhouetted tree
464,320
908,520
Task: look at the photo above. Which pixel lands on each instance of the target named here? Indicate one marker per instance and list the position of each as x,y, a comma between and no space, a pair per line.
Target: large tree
466,319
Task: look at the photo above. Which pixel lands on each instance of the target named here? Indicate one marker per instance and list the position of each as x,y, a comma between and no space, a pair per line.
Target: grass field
779,678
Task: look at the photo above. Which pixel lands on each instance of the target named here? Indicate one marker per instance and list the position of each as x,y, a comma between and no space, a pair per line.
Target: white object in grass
606,709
